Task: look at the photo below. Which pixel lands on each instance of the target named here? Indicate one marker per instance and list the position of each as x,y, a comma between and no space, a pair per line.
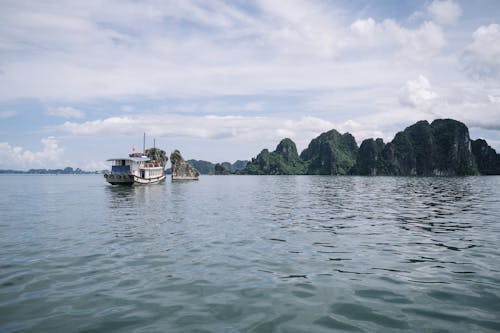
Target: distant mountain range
224,168
442,148
65,171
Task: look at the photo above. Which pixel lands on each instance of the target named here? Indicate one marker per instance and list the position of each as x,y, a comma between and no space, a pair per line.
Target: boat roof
134,159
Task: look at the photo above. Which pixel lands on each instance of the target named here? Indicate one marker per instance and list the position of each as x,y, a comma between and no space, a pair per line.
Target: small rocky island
182,170
440,148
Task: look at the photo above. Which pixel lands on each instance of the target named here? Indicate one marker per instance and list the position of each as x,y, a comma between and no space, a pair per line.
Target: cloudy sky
80,81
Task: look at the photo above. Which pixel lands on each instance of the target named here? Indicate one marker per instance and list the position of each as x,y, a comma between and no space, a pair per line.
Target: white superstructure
136,168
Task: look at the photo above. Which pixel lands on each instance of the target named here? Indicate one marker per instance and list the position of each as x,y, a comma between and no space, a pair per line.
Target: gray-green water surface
250,254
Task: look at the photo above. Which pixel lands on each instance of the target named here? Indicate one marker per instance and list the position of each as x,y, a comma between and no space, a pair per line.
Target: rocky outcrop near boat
182,170
157,155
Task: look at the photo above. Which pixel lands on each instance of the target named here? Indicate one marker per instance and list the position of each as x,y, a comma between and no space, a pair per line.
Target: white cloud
4,114
481,58
243,129
494,99
213,106
387,36
445,11
477,111
266,131
18,157
65,111
300,28
193,57
475,104
417,93
233,135
74,52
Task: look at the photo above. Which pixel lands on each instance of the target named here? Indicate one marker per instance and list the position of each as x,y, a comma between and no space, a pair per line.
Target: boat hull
139,180
119,179
131,179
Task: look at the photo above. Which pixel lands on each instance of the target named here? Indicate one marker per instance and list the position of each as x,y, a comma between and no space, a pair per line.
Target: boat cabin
128,165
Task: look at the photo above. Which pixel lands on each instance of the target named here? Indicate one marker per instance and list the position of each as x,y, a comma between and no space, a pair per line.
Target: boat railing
152,165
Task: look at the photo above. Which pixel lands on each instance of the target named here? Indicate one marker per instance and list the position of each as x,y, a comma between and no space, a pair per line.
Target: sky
81,81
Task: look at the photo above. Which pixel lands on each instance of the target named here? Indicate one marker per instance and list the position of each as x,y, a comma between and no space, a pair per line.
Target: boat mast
144,144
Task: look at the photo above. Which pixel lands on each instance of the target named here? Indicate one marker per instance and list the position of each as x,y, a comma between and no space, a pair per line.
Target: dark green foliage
423,149
287,149
283,161
259,165
487,159
331,154
442,148
421,138
208,168
157,154
410,152
399,156
452,154
226,165
238,165
222,168
370,161
204,167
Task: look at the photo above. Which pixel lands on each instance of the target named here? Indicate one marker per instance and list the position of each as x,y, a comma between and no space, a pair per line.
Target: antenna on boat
144,144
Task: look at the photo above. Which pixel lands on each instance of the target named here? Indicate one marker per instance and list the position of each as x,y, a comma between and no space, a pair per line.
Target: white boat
138,168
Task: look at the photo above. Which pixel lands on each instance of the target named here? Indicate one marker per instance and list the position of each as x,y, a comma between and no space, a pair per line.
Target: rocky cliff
452,153
331,153
182,170
157,154
442,148
203,167
487,159
284,160
208,168
370,161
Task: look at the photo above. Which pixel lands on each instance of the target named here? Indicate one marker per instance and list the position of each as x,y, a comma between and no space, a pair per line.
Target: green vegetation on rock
370,161
208,168
487,159
331,153
283,161
222,168
442,148
204,167
452,151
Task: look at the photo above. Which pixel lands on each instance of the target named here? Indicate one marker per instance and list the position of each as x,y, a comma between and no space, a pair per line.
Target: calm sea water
251,254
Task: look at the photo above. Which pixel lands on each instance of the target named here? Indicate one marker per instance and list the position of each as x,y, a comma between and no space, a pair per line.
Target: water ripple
250,254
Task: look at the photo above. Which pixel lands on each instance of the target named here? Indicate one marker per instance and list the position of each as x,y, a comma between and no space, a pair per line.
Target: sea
250,254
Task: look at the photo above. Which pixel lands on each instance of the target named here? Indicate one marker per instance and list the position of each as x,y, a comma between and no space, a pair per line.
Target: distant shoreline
65,171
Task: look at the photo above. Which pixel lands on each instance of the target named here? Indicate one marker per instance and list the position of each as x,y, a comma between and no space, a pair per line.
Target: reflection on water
255,254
